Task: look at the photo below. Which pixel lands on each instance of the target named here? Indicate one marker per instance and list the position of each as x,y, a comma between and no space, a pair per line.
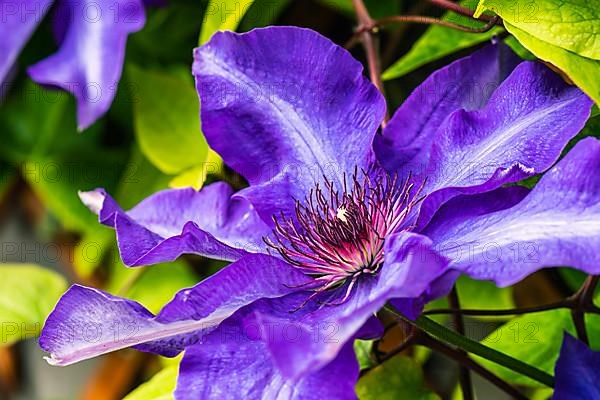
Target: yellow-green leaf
167,121
518,48
573,25
221,15
92,249
196,176
584,72
398,378
193,177
160,387
362,349
483,294
29,292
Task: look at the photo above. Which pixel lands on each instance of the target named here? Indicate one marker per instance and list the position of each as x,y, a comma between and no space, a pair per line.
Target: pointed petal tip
93,199
55,362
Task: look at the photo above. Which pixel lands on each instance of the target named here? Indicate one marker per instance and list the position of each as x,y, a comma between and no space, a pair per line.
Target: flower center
338,236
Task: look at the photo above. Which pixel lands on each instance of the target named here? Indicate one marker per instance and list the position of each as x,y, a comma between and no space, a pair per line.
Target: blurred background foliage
150,140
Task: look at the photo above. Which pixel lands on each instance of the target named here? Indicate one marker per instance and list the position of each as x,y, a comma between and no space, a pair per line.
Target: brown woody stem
582,301
458,9
371,44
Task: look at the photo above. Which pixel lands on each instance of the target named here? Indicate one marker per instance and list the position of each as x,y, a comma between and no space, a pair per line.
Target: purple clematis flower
92,37
577,371
337,219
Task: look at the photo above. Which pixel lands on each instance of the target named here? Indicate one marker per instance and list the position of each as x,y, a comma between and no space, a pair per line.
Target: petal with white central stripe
88,322
557,224
521,131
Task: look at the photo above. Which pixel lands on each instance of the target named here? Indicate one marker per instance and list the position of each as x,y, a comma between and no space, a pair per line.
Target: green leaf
56,180
362,349
160,387
37,122
439,41
40,140
483,294
139,180
377,8
341,5
398,378
535,339
167,122
158,42
518,48
569,24
582,71
475,294
196,176
222,15
542,394
29,292
7,177
572,277
262,13
30,119
92,249
193,177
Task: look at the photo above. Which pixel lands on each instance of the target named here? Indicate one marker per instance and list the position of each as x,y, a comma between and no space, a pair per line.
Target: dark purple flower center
338,236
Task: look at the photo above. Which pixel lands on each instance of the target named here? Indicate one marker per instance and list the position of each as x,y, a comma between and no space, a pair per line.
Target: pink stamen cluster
335,237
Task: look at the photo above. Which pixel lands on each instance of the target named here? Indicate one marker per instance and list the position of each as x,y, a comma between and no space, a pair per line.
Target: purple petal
465,84
577,371
556,224
521,132
435,283
307,339
61,13
285,119
156,3
459,209
172,222
412,307
463,208
88,322
18,21
229,364
410,265
90,59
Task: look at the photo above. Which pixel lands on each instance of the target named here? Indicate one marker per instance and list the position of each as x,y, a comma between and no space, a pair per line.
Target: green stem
464,376
462,342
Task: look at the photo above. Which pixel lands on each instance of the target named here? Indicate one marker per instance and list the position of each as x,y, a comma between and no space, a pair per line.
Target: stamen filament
335,237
